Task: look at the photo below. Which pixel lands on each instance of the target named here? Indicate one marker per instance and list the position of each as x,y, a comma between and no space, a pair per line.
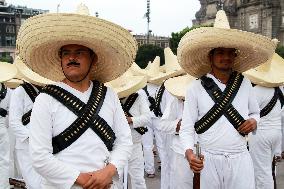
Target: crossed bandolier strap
127,106
223,103
277,95
158,99
32,93
87,116
3,93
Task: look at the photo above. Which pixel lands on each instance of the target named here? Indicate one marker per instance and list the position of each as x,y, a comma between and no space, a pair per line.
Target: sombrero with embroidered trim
269,74
41,37
177,85
24,73
194,47
7,71
127,84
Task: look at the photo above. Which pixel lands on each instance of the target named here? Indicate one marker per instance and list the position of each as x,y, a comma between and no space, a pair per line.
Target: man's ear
94,58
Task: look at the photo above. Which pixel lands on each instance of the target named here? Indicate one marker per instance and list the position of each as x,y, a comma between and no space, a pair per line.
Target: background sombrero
177,86
269,74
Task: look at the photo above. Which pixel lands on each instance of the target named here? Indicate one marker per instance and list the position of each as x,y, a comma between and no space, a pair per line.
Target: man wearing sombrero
266,142
7,72
21,105
220,107
79,135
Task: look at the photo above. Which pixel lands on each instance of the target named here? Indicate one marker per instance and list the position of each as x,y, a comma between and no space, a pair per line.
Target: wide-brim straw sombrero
13,83
269,74
127,84
41,37
177,86
24,73
7,71
194,47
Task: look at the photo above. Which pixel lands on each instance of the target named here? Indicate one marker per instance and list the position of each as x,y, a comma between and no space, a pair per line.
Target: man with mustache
79,137
220,106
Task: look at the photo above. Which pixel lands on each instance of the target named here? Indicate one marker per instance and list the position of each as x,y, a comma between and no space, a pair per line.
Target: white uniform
19,105
180,174
267,139
147,138
4,143
141,117
227,161
88,153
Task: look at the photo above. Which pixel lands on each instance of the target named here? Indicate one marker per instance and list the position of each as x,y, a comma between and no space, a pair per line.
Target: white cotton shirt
273,119
141,116
88,153
221,137
20,103
169,121
4,103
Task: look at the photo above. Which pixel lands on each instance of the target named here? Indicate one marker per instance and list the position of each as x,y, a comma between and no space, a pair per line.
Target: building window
282,19
253,21
10,29
10,41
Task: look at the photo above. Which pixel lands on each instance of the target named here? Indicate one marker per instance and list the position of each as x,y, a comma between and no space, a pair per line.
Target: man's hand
196,165
248,126
101,179
129,120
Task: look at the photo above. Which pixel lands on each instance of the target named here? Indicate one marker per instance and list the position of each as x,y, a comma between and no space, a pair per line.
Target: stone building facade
264,17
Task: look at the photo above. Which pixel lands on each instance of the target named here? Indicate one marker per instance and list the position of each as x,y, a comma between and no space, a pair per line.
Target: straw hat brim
161,77
28,75
13,83
194,47
41,37
274,77
133,84
7,71
177,86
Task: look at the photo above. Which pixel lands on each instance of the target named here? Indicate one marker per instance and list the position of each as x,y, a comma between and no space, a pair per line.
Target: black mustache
73,63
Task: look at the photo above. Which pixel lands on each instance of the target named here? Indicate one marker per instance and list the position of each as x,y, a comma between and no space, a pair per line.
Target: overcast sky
166,16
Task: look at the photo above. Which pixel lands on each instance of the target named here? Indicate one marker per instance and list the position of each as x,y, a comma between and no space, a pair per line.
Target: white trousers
136,167
115,185
4,158
263,146
30,176
181,176
223,171
147,142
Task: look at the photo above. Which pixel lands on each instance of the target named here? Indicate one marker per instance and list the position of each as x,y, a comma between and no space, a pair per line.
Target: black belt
126,107
277,95
158,99
32,93
223,103
3,112
87,116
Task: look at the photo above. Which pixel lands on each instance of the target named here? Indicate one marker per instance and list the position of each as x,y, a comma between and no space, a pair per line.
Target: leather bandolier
32,93
126,108
277,95
87,116
223,103
150,99
158,99
3,92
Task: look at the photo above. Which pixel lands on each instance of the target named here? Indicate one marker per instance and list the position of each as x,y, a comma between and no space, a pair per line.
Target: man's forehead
225,49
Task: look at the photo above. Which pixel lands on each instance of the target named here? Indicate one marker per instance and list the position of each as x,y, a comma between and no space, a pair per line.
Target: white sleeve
169,119
253,106
190,116
122,147
144,118
16,111
44,162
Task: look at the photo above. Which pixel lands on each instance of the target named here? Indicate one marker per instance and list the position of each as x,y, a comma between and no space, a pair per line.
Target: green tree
6,59
148,53
176,37
280,50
